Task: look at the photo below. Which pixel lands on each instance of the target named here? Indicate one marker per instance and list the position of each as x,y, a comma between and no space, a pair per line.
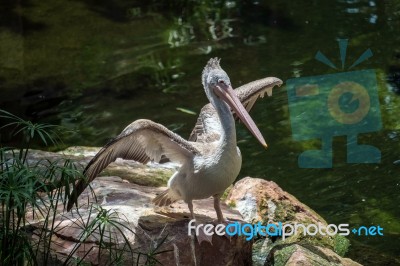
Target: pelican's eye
223,84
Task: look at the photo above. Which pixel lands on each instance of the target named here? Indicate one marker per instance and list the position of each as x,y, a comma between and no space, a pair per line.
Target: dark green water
95,66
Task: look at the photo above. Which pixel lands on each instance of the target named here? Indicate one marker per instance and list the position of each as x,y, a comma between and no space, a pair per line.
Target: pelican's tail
164,198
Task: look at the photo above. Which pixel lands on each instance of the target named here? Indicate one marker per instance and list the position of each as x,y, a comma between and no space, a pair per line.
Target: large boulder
153,174
264,202
305,255
124,219
117,223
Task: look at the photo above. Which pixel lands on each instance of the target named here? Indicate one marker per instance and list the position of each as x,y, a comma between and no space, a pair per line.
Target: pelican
210,160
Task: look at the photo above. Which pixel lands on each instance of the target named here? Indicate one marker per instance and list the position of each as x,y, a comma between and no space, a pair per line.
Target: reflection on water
95,66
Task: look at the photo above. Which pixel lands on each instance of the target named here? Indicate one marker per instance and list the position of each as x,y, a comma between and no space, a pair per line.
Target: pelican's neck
228,130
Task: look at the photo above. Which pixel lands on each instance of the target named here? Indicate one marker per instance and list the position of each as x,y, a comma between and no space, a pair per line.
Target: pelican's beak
226,93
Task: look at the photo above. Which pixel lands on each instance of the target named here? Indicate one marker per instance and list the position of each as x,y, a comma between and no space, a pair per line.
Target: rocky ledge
149,234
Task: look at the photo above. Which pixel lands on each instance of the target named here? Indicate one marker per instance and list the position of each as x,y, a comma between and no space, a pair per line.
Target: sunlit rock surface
156,175
145,226
264,201
306,255
132,203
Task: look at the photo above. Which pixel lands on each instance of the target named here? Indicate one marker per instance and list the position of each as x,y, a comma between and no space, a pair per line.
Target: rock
264,202
123,227
307,255
127,216
80,151
259,200
149,225
156,175
153,174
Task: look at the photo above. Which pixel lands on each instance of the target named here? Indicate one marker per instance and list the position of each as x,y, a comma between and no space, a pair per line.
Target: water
96,66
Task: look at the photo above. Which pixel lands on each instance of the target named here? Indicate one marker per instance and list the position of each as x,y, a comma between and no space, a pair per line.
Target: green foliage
30,188
341,245
40,190
29,129
104,227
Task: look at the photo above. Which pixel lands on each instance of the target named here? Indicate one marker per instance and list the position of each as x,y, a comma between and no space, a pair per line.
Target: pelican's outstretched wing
247,94
250,92
142,141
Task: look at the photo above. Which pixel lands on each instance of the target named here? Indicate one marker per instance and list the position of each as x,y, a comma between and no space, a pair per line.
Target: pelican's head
217,85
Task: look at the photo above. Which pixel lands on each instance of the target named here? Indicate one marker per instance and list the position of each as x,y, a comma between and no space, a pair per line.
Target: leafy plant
105,228
39,189
45,132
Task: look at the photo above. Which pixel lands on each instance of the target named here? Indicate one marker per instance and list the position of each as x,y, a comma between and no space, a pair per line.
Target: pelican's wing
207,127
247,94
250,92
142,141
